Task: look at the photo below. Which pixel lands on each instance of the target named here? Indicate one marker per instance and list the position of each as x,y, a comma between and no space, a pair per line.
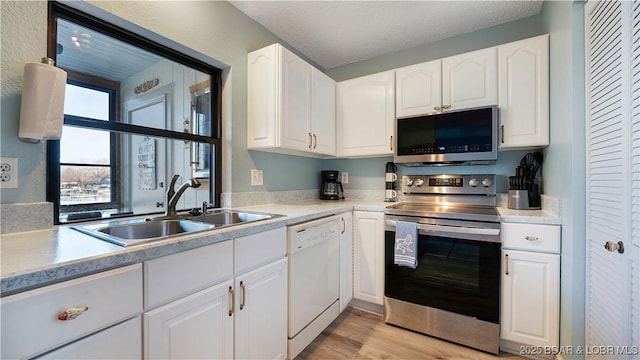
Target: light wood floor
361,335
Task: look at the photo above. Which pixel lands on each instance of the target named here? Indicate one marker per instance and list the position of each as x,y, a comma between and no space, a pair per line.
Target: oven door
458,269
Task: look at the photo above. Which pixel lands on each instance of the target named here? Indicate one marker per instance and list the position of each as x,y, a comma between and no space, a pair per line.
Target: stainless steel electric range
453,290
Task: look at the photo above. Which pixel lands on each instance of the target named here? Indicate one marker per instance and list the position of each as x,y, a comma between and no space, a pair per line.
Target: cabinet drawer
172,277
123,341
30,322
259,249
528,237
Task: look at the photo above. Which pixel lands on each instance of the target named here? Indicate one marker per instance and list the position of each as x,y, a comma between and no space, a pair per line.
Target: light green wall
565,174
492,36
214,29
23,39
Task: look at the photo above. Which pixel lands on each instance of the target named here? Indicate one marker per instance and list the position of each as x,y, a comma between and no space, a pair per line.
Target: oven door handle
453,229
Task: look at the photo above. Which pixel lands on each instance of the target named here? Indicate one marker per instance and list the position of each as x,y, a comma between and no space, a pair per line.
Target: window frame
57,10
113,88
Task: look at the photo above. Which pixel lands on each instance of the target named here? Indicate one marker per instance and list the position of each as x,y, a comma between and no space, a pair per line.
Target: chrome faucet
174,195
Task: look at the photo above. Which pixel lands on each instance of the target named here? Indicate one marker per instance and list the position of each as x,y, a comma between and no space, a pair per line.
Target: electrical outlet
256,177
345,177
9,173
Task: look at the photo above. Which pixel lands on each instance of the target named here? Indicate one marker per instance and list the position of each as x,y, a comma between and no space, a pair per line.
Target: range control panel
449,184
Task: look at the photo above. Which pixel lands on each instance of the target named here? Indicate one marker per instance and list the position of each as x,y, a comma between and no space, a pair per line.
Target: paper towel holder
42,105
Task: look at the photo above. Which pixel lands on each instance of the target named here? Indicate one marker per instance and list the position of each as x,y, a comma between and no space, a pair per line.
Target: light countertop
36,258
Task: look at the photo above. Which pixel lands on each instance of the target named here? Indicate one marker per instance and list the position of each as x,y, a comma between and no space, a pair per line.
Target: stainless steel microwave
467,136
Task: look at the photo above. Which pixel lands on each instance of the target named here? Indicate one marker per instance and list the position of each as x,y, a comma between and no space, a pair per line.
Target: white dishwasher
314,279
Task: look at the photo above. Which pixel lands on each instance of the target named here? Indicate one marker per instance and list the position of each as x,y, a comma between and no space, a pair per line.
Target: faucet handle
205,206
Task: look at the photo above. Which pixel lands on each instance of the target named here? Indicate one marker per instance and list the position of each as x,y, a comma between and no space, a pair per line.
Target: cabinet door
523,99
368,259
295,101
366,113
418,89
261,312
470,80
530,298
123,341
346,260
197,326
323,113
262,92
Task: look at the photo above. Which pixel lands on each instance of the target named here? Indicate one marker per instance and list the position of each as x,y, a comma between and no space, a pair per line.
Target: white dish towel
406,246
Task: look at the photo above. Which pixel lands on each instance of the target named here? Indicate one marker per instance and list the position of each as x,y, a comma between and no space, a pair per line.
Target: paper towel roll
42,107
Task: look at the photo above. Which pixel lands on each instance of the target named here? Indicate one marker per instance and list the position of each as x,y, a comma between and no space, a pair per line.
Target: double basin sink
138,231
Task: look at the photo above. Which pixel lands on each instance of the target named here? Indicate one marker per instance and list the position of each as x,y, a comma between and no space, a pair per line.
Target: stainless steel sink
230,217
126,233
133,232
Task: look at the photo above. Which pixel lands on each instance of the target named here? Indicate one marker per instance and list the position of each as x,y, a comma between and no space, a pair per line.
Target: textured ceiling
335,33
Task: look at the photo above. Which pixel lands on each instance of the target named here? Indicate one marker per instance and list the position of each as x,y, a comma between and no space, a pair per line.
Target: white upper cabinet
458,82
290,104
366,114
323,113
523,73
418,89
295,101
470,80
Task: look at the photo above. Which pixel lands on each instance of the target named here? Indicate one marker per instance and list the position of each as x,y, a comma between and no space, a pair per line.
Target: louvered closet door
634,248
609,317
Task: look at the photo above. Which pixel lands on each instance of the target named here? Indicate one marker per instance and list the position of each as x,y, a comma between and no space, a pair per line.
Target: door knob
611,246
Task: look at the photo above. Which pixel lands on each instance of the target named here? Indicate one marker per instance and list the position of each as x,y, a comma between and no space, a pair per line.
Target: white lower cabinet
197,326
368,257
41,320
261,312
346,259
530,285
121,341
243,315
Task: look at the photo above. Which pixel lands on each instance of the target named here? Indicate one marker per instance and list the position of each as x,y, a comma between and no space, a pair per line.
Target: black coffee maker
331,188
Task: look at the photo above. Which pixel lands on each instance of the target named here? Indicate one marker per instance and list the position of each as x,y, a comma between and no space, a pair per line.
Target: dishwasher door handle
452,229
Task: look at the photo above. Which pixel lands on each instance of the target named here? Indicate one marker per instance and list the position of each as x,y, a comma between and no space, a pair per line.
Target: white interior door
145,167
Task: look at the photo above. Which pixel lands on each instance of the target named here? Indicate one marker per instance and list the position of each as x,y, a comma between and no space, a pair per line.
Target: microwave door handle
452,229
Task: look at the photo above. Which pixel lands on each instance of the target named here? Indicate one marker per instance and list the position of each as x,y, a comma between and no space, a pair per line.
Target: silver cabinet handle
315,141
233,300
611,246
436,108
344,225
391,142
506,264
244,294
531,238
445,107
310,140
502,134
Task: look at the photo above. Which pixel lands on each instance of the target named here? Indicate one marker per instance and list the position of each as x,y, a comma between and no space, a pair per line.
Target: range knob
473,182
409,182
486,182
419,182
